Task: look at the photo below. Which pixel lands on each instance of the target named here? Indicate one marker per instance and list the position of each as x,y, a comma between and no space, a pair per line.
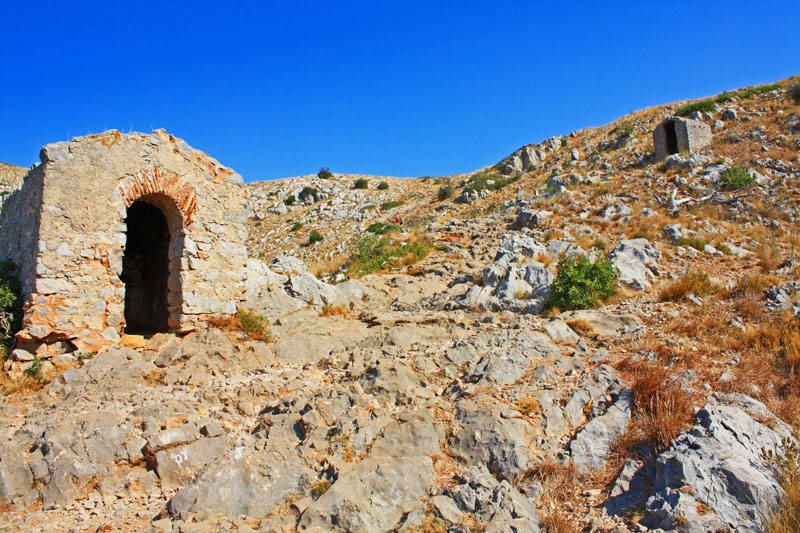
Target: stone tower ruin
676,135
133,233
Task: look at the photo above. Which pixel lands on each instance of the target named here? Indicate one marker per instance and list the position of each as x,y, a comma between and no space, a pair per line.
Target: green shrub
753,91
704,106
10,304
372,253
444,192
34,371
379,228
308,191
734,178
290,200
314,236
794,92
254,325
623,130
325,173
385,206
563,141
361,183
296,226
581,284
382,186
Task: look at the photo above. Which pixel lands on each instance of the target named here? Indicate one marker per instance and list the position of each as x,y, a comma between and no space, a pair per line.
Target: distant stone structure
676,135
133,233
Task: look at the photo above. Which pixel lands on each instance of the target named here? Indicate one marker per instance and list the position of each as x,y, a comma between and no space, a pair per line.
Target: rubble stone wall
86,186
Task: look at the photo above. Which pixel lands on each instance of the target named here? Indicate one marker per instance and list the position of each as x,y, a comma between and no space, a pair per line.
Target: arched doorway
146,269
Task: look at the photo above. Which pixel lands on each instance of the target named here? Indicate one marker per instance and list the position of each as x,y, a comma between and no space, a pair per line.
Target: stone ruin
132,233
676,135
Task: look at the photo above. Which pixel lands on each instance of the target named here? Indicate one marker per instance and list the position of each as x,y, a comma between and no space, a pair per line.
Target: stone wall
72,284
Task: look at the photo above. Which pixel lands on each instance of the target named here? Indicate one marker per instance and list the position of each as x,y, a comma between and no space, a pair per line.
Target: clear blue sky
403,88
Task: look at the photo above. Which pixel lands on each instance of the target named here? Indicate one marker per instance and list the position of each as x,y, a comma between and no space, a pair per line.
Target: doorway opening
145,269
672,138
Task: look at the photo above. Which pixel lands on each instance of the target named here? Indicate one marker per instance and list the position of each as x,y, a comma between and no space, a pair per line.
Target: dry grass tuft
24,386
786,518
327,266
695,282
661,411
582,327
335,310
557,521
528,406
246,321
756,282
768,259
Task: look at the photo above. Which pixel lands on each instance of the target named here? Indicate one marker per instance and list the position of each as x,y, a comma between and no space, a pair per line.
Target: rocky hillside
443,391
10,179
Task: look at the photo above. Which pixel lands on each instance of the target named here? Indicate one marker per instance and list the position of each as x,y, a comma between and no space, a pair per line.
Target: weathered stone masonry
182,216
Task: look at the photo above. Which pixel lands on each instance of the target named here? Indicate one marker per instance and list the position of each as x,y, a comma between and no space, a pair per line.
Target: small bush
296,226
382,186
563,141
379,228
794,92
734,178
324,173
290,200
308,191
361,183
254,325
385,206
314,236
695,282
34,371
581,284
444,192
623,130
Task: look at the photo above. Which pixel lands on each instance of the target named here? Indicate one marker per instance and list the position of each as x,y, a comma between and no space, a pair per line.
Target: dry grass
24,386
695,282
786,518
528,406
582,327
245,321
557,521
768,258
327,266
335,310
661,411
756,282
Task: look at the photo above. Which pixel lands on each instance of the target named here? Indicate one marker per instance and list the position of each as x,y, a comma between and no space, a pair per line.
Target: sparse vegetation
308,191
379,228
786,461
623,131
361,183
324,173
290,200
382,186
581,284
314,237
695,242
489,181
385,206
296,226
444,192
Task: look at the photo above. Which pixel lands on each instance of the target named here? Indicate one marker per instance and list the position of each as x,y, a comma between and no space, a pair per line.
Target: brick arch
159,181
